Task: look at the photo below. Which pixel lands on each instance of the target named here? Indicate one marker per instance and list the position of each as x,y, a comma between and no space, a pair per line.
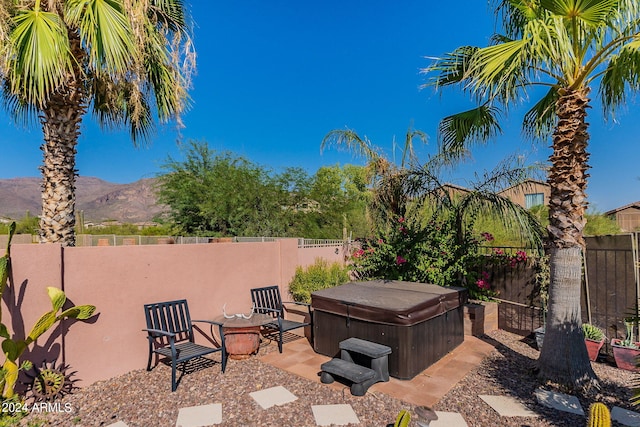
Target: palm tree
415,191
566,47
121,59
391,196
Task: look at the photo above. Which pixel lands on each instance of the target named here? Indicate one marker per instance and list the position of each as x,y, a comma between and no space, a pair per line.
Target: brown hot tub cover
388,302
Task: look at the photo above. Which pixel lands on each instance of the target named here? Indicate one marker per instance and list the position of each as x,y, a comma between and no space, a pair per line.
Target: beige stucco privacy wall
308,256
119,280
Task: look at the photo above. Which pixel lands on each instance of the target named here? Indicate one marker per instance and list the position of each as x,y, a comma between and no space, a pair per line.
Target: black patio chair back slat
267,300
170,334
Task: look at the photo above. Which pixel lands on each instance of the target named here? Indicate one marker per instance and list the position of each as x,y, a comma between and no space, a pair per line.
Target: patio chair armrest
263,309
297,303
305,304
160,332
211,322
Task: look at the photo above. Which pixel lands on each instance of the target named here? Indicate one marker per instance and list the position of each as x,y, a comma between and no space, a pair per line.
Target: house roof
455,187
621,208
523,183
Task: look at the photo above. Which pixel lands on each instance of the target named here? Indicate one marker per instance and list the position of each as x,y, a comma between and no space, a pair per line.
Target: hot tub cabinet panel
420,322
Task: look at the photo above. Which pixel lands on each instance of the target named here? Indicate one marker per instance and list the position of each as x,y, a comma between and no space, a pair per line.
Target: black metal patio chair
170,334
267,300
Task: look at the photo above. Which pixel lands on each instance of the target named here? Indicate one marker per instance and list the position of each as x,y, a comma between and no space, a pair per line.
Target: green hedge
319,275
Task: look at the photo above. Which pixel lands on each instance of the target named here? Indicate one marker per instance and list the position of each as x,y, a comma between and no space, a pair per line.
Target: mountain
99,200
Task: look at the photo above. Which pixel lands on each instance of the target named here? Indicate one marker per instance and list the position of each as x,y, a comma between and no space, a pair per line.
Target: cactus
403,419
592,332
599,415
13,348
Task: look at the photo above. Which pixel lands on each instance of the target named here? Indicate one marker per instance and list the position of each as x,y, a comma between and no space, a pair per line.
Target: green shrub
319,275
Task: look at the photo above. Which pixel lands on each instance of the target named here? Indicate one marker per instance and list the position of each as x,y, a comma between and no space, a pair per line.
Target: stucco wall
308,256
119,280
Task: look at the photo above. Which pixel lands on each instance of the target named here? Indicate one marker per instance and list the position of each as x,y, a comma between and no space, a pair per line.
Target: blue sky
275,77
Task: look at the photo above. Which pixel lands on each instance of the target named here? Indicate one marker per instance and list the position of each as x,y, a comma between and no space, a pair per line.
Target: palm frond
478,125
106,34
497,71
512,15
540,120
408,153
511,215
39,55
451,69
622,74
349,140
591,12
168,14
21,112
547,46
114,103
163,75
510,172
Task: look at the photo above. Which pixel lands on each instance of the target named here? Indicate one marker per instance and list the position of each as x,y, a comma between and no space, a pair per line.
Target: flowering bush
426,254
431,254
482,268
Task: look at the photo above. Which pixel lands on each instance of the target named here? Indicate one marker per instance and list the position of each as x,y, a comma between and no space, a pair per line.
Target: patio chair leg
150,356
280,341
174,384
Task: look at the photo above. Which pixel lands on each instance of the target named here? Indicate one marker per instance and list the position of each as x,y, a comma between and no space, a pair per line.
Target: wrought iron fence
118,240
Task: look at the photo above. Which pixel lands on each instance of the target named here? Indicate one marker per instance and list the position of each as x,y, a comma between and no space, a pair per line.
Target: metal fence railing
319,243
118,240
254,239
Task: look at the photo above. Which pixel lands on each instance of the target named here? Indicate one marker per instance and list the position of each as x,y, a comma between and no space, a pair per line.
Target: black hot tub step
361,377
368,348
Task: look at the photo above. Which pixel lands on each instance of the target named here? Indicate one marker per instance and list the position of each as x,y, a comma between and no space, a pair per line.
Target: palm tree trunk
567,176
60,120
564,358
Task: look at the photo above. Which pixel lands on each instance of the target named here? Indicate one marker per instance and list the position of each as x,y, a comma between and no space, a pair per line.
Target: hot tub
420,322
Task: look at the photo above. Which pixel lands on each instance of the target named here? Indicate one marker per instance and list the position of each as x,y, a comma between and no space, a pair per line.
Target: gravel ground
143,399
508,371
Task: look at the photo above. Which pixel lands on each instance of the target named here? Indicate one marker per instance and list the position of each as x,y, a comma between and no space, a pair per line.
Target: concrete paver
625,417
559,401
507,406
273,396
326,415
200,416
448,419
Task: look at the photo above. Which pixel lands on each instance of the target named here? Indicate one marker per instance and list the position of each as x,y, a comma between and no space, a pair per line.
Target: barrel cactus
599,415
403,419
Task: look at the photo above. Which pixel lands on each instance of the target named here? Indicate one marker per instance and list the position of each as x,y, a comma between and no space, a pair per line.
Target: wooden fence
611,287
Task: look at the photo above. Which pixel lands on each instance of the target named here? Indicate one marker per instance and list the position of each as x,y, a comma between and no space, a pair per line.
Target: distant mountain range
99,200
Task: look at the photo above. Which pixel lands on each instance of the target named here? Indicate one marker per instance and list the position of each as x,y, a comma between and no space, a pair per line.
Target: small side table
242,336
